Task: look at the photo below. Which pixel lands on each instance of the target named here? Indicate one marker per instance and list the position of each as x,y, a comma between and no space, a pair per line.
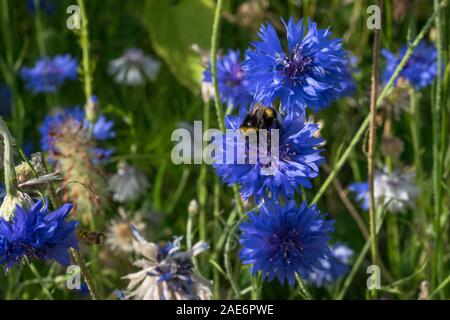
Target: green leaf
174,26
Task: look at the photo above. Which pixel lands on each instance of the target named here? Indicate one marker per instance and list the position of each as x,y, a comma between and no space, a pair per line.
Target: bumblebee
92,237
261,117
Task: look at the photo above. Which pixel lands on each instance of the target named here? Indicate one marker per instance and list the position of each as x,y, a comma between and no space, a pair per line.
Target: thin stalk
349,206
256,287
86,63
8,160
357,264
10,73
202,190
303,290
362,129
217,104
440,287
226,258
40,280
189,230
213,58
39,29
75,253
436,170
372,141
217,231
415,131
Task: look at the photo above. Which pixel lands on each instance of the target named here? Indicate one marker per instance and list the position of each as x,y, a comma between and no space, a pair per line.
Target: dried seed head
391,146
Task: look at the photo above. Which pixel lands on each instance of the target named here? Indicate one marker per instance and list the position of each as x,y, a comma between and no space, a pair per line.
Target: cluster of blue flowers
420,69
283,238
50,73
37,233
52,125
233,86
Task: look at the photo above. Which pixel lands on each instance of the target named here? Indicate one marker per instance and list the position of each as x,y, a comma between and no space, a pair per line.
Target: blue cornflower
332,267
5,101
50,73
297,162
166,272
361,191
420,69
281,241
54,123
37,233
310,74
231,80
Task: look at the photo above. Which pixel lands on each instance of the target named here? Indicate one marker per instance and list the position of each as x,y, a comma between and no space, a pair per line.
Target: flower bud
193,207
10,202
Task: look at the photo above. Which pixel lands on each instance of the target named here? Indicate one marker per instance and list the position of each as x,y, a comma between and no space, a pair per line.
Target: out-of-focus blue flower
49,73
46,6
281,241
348,86
361,191
332,268
396,190
297,162
54,123
420,69
37,233
5,101
309,74
231,80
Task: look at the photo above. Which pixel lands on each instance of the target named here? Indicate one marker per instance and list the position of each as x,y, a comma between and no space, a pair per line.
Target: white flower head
166,272
119,235
396,190
134,67
128,184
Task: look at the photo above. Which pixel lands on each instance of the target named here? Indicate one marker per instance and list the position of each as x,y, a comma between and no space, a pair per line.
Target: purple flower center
295,67
288,243
236,77
133,55
51,69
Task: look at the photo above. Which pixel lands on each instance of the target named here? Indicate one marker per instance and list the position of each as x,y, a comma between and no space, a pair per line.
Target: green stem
348,280
372,141
226,257
393,244
39,30
213,58
303,290
10,73
440,287
86,63
202,190
362,129
8,160
415,131
41,281
436,170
